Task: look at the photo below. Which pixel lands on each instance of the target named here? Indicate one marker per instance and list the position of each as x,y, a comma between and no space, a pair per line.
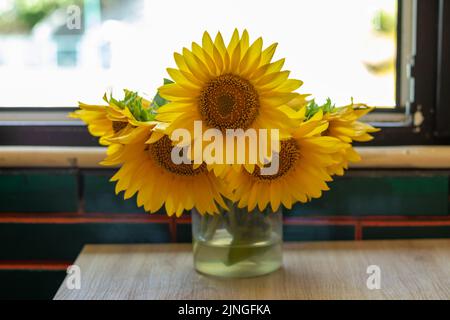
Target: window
386,53
341,49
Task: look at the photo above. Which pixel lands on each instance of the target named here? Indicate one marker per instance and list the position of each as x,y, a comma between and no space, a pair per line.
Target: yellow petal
272,80
174,91
268,53
235,59
204,57
179,60
207,43
220,44
290,85
245,40
252,57
182,79
234,41
276,100
195,65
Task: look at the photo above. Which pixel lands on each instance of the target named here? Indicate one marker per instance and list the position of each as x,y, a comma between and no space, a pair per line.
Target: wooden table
411,269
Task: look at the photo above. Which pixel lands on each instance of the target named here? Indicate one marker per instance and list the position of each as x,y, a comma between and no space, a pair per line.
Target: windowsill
48,116
410,157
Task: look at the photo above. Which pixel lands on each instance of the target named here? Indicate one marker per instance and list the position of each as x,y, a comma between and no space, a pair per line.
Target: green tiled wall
38,191
58,191
363,196
184,232
354,196
29,284
414,232
99,195
317,233
65,241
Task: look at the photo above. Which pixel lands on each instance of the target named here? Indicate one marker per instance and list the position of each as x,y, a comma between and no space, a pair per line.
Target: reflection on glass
53,55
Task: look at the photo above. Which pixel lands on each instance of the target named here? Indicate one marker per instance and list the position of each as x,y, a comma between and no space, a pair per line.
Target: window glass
51,56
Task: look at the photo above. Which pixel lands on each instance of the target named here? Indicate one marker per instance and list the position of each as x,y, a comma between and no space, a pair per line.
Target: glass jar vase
237,243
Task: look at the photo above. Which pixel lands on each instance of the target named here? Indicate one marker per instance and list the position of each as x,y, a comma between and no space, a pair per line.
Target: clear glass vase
237,243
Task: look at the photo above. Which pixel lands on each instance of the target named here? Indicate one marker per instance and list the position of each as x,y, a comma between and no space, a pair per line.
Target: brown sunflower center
289,153
229,102
161,151
118,125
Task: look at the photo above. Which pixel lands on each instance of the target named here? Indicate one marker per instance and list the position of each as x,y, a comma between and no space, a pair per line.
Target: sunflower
344,125
115,118
234,86
302,174
148,170
237,87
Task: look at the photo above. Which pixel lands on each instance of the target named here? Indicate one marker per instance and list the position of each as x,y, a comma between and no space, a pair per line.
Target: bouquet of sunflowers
218,87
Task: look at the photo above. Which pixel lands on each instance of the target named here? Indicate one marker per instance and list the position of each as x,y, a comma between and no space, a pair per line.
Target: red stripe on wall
35,265
77,218
406,223
160,218
358,231
357,222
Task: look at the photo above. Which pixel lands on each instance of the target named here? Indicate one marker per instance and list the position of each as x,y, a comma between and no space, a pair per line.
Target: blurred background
340,49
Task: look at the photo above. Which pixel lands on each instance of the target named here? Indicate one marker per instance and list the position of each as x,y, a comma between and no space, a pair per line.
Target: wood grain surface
437,157
411,269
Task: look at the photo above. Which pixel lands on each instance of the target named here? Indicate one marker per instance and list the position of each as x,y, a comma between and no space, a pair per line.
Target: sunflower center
225,104
289,153
229,102
118,125
161,151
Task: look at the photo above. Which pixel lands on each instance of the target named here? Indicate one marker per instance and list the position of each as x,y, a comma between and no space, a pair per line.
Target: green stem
211,222
246,228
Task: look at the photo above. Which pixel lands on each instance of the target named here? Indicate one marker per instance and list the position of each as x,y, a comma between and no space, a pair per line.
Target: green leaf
133,102
159,101
238,253
312,108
